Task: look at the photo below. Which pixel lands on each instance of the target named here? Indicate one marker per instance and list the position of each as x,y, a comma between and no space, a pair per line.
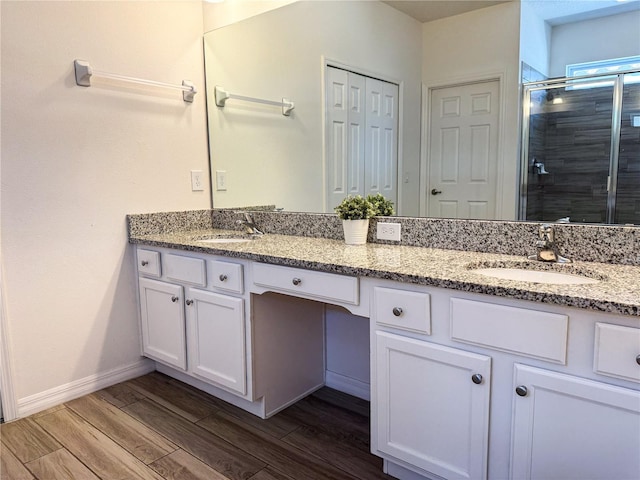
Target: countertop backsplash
589,243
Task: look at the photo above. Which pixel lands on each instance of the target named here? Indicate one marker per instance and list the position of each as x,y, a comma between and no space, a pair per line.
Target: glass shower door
568,146
627,195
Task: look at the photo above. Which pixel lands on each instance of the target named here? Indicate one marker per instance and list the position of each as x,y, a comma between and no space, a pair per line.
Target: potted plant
355,212
382,205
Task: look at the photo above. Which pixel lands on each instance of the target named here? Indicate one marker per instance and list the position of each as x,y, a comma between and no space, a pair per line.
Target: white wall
270,158
535,39
476,44
602,38
220,14
75,161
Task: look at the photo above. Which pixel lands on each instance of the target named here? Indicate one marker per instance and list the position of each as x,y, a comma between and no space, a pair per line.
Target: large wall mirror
381,92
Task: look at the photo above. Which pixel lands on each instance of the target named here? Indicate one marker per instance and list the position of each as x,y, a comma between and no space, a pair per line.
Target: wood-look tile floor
155,427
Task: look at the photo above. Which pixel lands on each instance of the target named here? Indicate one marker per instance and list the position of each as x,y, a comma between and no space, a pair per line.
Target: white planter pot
355,231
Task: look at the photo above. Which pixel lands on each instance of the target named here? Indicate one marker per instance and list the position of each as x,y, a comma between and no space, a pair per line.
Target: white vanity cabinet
186,326
470,386
432,406
572,428
162,322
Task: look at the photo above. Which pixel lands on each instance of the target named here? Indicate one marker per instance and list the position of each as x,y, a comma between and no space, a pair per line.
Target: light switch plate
221,180
197,183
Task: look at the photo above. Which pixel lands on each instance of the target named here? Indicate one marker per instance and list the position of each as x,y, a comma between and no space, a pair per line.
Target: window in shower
581,152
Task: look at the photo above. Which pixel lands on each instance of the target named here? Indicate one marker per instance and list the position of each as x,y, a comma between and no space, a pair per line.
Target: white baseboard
349,385
55,396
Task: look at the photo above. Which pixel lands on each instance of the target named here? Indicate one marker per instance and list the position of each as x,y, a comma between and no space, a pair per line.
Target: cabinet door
429,410
217,338
163,326
572,428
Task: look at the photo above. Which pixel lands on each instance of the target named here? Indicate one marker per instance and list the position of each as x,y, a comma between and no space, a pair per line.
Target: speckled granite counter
618,290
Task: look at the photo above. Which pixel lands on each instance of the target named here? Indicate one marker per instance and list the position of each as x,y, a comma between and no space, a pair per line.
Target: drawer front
402,309
521,331
320,285
617,351
227,276
149,262
185,269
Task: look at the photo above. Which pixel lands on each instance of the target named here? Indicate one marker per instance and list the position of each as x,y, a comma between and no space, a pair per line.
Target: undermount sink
225,238
537,273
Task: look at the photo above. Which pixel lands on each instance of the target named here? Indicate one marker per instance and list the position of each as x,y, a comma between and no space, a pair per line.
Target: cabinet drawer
320,285
531,333
402,309
617,351
149,262
185,269
227,276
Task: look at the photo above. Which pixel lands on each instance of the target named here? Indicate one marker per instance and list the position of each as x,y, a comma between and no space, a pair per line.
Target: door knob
174,299
397,311
522,390
189,302
435,191
476,378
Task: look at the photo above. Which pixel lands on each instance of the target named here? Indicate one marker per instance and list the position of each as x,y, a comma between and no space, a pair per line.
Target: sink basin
225,240
535,276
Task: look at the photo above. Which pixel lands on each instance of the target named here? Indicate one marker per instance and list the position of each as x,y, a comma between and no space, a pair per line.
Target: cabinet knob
476,378
174,299
222,277
638,359
144,263
296,281
397,311
522,390
189,301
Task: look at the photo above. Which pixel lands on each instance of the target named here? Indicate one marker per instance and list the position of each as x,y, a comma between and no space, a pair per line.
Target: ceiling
553,11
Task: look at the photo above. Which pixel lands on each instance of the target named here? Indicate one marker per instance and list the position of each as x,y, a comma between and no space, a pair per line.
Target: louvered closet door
362,136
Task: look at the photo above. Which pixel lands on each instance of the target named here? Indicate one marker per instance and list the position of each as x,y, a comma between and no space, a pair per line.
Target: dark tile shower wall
573,139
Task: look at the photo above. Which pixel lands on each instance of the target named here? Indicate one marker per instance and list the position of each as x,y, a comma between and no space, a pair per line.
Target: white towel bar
222,96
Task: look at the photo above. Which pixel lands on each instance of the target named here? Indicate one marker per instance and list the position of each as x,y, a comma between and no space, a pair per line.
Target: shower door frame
616,124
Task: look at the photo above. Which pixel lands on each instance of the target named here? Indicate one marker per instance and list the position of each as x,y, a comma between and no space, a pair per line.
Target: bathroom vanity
471,377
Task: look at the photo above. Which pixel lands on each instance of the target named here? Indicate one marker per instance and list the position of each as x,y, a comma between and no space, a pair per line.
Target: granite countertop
617,291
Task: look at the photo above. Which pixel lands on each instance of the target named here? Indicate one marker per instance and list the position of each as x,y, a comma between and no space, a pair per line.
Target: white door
432,411
570,428
381,143
463,151
163,326
217,338
362,136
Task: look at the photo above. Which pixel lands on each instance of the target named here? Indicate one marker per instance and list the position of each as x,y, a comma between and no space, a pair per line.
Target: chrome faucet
546,245
249,225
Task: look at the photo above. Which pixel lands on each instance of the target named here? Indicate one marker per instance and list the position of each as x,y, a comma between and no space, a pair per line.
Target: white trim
63,393
349,385
427,89
7,393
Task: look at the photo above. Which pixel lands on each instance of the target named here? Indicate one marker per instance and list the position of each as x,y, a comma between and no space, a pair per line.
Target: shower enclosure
581,149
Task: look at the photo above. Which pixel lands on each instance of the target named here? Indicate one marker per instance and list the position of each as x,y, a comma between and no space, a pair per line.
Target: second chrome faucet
547,247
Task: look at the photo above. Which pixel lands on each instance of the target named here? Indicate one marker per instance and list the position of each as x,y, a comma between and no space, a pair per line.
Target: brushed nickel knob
397,311
297,281
522,390
476,378
189,302
174,299
222,277
435,191
144,263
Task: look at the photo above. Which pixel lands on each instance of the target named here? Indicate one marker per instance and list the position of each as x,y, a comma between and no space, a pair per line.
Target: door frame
425,132
329,62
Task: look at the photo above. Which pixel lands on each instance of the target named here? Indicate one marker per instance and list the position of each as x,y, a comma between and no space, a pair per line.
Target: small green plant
355,208
383,206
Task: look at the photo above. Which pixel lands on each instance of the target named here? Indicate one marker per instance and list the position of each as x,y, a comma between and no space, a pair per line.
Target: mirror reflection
422,105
